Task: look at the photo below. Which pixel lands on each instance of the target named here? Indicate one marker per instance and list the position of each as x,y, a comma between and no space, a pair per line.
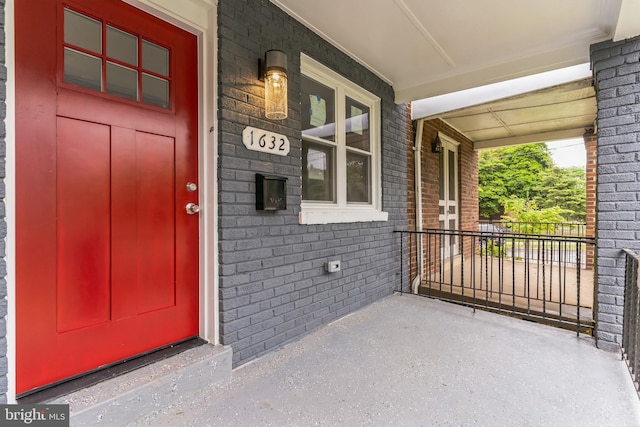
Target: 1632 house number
265,141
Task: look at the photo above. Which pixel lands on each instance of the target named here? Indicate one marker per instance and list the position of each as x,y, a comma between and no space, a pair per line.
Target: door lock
191,187
192,208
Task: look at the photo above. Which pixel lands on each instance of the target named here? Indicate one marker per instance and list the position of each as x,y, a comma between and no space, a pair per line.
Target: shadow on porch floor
412,361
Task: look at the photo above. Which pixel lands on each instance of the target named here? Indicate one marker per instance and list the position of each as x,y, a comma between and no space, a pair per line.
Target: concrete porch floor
411,361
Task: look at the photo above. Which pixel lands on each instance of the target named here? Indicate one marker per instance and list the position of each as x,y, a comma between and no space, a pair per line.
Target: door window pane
82,70
441,175
155,91
318,110
155,58
358,187
317,172
123,61
122,46
82,31
122,81
452,227
452,175
357,124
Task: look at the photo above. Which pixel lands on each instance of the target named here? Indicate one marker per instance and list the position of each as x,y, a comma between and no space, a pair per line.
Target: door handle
192,208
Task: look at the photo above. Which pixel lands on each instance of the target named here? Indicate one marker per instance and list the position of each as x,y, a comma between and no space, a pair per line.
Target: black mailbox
271,192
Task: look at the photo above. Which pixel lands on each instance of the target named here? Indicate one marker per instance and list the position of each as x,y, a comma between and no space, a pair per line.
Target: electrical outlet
332,266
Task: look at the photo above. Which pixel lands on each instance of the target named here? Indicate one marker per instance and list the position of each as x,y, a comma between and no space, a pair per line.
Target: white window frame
318,212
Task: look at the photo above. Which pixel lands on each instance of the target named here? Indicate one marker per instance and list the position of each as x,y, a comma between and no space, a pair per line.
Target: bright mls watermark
34,415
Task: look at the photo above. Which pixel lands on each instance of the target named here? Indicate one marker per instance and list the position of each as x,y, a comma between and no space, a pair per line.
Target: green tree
531,219
513,171
565,187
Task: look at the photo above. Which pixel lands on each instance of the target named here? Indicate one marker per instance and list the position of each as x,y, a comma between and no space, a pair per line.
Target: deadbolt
192,208
191,187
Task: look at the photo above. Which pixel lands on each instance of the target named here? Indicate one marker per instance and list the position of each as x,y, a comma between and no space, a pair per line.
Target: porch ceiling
425,48
559,112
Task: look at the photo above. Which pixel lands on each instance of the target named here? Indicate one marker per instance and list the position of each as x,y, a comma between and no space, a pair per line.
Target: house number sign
265,141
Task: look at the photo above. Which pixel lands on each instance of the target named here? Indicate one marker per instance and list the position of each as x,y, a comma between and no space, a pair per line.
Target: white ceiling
425,48
559,112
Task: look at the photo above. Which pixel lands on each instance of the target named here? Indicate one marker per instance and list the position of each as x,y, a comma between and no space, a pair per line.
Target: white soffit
426,48
563,111
479,95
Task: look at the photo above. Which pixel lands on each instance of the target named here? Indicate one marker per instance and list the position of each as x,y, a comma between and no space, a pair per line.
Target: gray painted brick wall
273,287
3,222
616,69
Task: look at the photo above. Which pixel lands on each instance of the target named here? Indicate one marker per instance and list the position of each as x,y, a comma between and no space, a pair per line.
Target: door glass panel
155,58
441,210
358,187
155,91
122,46
317,172
452,210
452,175
452,227
122,81
357,122
82,31
441,175
82,70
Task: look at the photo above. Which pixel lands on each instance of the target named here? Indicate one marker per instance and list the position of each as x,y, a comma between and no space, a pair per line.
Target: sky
568,152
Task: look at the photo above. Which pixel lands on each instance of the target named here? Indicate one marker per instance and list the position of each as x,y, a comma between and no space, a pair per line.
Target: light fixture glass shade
275,85
275,95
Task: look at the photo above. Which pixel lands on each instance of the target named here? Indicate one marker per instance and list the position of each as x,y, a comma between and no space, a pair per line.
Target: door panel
106,256
155,209
83,248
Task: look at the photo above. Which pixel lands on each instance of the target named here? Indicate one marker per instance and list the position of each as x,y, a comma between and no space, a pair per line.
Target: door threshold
108,372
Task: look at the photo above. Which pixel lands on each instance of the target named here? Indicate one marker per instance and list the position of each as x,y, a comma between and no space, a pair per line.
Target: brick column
590,145
616,70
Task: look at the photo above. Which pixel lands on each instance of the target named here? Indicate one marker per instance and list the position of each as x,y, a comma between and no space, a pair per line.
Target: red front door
106,145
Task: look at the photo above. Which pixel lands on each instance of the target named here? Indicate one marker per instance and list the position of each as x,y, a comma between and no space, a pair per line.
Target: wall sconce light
436,145
274,73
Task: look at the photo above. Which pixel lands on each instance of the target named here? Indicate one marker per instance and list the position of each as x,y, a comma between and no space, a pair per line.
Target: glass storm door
448,200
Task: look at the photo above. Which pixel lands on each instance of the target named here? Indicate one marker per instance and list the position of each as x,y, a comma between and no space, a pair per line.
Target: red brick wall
430,168
467,177
590,145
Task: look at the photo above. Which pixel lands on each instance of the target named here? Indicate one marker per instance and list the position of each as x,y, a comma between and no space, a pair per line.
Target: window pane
122,46
82,31
452,175
357,124
155,91
318,110
441,175
155,58
122,81
82,70
358,178
452,227
317,172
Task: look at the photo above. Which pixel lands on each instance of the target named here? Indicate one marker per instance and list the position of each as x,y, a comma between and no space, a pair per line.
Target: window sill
335,216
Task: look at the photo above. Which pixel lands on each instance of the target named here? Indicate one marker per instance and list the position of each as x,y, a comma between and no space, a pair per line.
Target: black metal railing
573,229
540,278
631,324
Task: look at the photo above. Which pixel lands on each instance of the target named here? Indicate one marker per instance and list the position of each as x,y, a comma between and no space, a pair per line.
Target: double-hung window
340,149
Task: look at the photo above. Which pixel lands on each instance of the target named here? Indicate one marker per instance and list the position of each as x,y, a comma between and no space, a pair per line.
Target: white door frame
449,209
198,17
